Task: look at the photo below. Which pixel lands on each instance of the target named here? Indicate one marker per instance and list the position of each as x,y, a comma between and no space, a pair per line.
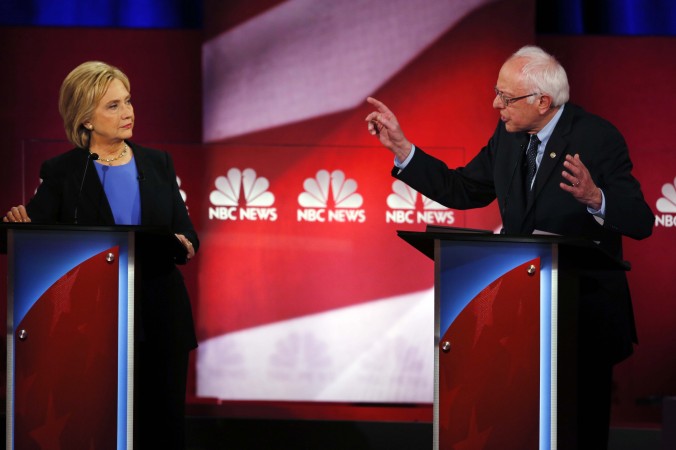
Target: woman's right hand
17,214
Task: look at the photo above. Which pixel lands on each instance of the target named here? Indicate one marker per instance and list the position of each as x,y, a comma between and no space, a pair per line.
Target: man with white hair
581,186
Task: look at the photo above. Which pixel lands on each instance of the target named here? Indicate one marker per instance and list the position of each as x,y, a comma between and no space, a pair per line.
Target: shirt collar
546,132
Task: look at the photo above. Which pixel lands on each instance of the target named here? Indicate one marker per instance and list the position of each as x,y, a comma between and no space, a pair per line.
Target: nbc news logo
258,201
402,203
667,206
325,188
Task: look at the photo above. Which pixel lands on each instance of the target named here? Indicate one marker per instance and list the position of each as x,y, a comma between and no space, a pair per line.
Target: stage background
244,283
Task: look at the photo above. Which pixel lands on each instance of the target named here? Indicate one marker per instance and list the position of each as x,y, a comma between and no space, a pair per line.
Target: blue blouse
120,184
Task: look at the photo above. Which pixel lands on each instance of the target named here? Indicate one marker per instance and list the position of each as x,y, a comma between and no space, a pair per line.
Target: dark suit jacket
606,316
165,306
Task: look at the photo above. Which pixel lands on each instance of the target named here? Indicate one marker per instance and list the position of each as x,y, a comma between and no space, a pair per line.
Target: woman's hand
17,214
187,244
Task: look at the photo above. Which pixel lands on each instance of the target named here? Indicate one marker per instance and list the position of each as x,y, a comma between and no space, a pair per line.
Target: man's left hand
580,183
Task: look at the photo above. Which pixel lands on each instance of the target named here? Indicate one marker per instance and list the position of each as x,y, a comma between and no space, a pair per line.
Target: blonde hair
81,92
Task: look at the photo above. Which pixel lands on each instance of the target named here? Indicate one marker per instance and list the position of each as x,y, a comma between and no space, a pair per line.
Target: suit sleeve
463,188
627,212
46,205
181,223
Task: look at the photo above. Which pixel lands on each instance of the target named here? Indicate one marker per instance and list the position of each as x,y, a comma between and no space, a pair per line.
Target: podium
505,337
71,309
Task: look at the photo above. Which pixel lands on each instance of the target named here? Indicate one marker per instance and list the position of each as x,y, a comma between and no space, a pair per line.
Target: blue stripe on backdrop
608,17
102,13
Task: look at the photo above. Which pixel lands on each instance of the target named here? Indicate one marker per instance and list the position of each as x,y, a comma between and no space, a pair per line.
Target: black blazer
165,305
496,172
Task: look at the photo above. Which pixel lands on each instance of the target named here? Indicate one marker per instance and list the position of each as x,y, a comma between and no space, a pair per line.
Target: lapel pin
552,155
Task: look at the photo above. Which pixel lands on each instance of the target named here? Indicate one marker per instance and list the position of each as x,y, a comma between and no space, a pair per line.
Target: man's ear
544,103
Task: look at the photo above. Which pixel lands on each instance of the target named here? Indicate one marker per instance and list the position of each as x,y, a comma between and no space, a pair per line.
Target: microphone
140,176
90,157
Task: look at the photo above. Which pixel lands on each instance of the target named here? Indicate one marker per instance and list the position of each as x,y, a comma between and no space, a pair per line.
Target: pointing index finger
378,104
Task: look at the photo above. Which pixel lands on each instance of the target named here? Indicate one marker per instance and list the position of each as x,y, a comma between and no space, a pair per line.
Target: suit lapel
554,153
93,193
145,192
515,198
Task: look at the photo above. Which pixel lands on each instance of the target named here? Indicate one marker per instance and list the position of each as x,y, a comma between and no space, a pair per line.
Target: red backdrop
627,80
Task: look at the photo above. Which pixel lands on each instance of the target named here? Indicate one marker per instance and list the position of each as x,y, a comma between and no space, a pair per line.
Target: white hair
544,74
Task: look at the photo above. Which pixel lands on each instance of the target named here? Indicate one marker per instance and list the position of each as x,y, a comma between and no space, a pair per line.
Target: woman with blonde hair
126,184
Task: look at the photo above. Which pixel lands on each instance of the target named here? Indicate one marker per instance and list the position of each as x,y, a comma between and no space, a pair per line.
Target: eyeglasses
509,100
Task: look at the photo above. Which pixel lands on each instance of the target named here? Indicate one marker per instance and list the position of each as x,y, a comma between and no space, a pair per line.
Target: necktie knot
531,155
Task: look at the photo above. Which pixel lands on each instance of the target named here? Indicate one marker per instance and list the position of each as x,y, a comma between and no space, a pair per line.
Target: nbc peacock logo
330,197
666,205
242,195
184,196
403,207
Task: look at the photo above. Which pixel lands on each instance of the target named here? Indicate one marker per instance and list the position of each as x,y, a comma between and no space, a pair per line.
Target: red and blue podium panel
69,340
494,308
